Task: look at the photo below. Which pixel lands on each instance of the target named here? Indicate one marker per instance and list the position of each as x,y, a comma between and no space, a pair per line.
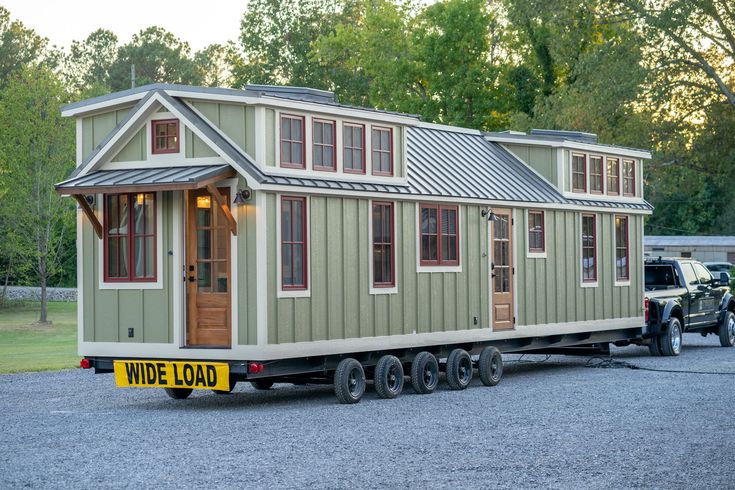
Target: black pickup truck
682,296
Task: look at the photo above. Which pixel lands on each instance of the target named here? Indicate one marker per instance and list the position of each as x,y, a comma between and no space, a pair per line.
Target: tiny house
274,234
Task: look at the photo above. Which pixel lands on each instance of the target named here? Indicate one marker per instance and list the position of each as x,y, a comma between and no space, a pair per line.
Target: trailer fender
671,308
728,302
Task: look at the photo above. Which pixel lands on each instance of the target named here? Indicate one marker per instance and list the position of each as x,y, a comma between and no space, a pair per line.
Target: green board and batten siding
237,121
247,305
542,160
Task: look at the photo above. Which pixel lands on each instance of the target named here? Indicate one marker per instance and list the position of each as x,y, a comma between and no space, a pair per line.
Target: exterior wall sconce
90,199
488,213
241,197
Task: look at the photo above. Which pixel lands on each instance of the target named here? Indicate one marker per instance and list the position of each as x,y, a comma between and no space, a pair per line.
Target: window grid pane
579,173
382,154
535,231
383,270
323,145
596,174
621,248
589,249
628,177
130,234
293,243
292,141
613,177
439,241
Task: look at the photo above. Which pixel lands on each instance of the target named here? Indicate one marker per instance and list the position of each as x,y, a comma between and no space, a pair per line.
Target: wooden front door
208,281
501,269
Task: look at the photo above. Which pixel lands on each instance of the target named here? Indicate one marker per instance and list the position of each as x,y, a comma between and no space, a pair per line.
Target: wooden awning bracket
224,206
90,214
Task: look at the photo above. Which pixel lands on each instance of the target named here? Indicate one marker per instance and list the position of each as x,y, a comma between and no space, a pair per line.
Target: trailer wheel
424,373
233,382
727,330
388,377
349,381
178,393
490,366
459,369
671,339
262,384
655,346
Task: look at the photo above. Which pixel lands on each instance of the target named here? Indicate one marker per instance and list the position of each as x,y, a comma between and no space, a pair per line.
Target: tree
36,151
19,45
215,65
88,63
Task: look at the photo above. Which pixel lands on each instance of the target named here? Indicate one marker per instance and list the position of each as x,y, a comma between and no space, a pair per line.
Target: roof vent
566,135
509,131
295,93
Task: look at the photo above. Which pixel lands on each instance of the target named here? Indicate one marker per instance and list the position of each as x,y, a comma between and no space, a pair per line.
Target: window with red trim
353,143
536,232
382,147
384,269
293,243
292,141
597,174
613,176
439,235
579,173
622,256
323,148
130,237
629,177
165,136
589,248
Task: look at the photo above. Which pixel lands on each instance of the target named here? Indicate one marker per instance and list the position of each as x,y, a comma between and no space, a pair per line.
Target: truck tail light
645,309
85,364
256,367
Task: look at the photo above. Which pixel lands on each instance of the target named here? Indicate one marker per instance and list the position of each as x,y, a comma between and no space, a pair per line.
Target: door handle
192,279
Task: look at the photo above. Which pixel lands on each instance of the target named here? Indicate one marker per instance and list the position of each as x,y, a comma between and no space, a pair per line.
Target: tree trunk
5,282
42,277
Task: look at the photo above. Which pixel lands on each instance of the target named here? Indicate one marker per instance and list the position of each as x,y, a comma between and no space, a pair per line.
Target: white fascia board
103,106
444,127
573,145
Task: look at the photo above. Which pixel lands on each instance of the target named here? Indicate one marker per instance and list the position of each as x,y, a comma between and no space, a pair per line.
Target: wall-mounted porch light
488,213
241,197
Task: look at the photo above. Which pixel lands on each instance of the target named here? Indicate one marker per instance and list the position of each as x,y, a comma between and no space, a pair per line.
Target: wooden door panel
502,272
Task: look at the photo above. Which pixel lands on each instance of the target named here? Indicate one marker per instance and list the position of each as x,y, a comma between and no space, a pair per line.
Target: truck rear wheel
424,373
655,346
178,393
670,340
490,366
727,330
262,384
388,377
349,381
459,369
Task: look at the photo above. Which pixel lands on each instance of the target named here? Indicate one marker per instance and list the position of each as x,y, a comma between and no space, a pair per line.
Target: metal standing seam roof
689,241
188,175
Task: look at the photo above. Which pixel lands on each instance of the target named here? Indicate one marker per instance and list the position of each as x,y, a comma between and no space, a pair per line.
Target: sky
197,22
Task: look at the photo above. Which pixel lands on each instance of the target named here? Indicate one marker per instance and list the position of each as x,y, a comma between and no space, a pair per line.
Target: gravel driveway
552,424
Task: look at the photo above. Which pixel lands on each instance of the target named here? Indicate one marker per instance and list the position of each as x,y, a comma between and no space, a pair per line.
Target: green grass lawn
27,346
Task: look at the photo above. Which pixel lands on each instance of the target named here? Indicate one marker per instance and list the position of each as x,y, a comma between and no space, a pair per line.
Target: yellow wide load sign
165,374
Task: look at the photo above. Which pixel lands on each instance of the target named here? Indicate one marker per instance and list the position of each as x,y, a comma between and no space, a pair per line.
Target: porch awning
145,180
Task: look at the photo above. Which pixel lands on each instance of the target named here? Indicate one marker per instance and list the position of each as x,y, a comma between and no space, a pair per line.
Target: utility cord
610,363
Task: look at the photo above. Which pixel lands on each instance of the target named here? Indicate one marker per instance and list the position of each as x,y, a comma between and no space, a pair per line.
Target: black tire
388,377
670,340
233,382
490,366
655,346
727,330
459,369
262,384
178,393
349,381
424,373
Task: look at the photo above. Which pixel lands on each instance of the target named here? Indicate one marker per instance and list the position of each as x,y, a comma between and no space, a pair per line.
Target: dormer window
165,136
579,173
324,149
382,146
292,142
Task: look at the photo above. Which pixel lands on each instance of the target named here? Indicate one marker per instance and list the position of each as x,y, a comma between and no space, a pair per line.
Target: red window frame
389,151
531,231
593,247
622,224
352,148
593,174
293,241
290,142
576,173
130,237
386,209
440,260
631,179
616,190
322,147
154,137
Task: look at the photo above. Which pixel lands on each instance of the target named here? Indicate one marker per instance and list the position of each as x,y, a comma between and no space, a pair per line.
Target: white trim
437,268
582,282
113,285
178,272
79,141
289,293
80,279
339,346
105,105
372,289
260,136
261,269
572,145
234,310
560,166
444,127
514,230
181,162
625,282
529,254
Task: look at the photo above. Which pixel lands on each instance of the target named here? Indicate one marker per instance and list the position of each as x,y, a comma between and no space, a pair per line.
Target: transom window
383,245
622,266
597,174
536,232
439,236
579,173
293,243
324,148
292,141
165,136
589,248
382,151
353,141
130,237
613,176
629,177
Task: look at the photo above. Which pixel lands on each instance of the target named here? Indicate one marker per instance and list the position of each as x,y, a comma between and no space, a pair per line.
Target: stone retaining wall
26,293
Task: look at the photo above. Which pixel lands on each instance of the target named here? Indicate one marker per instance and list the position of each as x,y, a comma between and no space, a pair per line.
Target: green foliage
88,62
19,45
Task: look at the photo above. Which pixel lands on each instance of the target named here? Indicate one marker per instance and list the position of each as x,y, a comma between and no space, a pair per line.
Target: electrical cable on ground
610,363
